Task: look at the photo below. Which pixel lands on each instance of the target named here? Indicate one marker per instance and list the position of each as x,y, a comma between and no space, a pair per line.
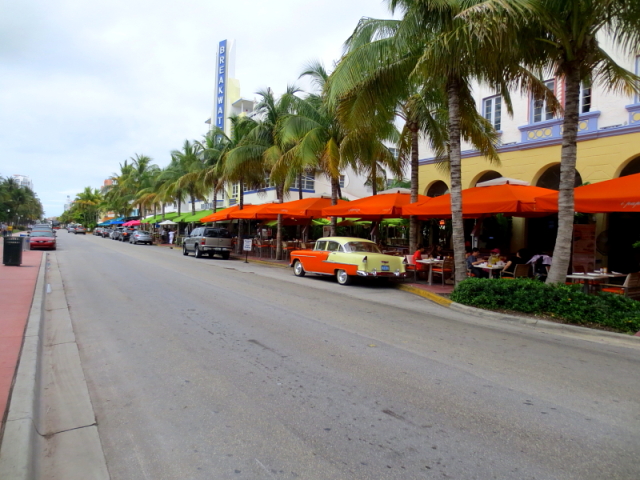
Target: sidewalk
17,286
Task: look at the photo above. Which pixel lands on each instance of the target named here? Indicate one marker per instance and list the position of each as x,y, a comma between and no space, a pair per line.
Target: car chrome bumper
362,273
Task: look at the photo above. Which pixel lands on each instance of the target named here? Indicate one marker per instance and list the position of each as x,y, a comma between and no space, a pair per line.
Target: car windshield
222,233
41,233
361,247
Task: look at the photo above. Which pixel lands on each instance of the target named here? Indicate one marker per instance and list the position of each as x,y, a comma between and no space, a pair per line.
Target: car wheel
185,252
225,255
197,252
343,278
298,269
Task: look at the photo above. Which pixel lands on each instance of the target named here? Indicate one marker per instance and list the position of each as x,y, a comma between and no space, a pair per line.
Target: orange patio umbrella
514,200
220,215
254,212
376,207
304,208
618,195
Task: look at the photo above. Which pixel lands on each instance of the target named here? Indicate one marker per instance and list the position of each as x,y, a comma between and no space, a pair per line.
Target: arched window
551,178
486,176
438,188
632,167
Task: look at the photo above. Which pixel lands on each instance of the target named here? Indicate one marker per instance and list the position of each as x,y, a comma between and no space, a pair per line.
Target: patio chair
630,288
445,270
519,271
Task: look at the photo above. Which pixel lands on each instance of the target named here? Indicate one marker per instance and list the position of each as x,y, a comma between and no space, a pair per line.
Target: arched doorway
551,178
631,168
437,189
623,232
486,176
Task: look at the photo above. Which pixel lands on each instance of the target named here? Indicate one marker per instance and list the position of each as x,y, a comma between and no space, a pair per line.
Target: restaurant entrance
623,232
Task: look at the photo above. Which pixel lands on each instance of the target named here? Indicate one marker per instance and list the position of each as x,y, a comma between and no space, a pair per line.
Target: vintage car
346,257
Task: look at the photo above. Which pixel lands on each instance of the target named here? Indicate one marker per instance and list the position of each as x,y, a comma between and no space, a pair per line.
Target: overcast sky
85,85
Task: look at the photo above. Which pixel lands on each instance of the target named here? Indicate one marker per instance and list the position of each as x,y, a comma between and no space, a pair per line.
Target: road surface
213,369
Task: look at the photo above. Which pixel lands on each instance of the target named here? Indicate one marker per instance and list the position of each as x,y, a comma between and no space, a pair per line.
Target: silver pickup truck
208,240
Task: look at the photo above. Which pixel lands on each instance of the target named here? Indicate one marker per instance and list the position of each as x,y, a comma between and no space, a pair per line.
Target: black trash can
12,253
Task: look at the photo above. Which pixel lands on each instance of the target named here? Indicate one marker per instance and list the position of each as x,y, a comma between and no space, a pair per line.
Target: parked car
98,231
80,229
71,228
140,236
106,232
125,234
42,239
346,258
43,228
115,233
208,240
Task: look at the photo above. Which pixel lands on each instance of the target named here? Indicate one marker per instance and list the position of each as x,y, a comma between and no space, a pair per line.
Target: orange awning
304,208
376,207
220,215
514,200
618,195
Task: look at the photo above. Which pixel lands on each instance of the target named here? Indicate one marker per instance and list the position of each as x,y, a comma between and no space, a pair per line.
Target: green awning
197,216
158,218
181,217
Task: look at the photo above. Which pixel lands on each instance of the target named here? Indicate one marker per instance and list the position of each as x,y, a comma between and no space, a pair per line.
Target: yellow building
608,147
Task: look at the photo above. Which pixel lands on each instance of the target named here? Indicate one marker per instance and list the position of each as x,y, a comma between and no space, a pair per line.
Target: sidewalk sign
246,247
584,247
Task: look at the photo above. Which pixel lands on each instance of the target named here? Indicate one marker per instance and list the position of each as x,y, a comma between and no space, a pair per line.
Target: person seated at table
520,258
434,252
473,260
420,267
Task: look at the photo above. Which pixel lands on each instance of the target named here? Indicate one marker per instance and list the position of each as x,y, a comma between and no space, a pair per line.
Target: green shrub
565,302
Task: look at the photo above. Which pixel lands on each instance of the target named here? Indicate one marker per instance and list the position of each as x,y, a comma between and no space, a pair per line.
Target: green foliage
564,302
637,244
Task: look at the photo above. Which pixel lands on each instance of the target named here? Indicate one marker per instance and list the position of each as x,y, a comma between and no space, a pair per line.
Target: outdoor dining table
431,262
593,278
490,268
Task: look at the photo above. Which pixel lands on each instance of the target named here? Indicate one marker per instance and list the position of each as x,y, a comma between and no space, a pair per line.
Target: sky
86,85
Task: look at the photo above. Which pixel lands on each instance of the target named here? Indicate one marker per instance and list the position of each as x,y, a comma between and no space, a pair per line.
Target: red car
42,239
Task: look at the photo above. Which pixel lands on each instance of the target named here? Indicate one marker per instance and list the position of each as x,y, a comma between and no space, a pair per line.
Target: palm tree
432,50
263,146
87,206
323,143
233,166
192,168
563,38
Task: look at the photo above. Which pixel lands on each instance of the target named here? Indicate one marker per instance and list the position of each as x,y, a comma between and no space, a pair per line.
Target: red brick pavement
17,286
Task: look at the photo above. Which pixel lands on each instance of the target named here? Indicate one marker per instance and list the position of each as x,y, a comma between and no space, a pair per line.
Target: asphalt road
213,369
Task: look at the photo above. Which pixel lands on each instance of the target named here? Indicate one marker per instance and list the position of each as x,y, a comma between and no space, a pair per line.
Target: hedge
567,303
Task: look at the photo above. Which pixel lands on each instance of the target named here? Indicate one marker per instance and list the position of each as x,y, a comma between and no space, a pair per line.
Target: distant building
23,181
68,203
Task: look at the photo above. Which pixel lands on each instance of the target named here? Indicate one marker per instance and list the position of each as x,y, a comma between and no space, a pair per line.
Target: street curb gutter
523,320
17,451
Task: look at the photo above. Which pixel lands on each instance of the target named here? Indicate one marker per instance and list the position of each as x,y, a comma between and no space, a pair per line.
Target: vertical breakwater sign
221,84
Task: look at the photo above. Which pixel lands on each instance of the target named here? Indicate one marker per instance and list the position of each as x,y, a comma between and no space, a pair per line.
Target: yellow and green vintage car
346,257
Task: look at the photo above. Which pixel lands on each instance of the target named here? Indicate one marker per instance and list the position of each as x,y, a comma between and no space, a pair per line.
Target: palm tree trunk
374,178
215,199
415,165
240,221
562,249
335,186
455,159
280,197
193,203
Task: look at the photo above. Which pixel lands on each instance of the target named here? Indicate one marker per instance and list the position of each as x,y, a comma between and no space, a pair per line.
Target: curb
17,451
630,339
434,297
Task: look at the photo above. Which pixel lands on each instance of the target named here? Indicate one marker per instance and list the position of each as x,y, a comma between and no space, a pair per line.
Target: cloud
86,85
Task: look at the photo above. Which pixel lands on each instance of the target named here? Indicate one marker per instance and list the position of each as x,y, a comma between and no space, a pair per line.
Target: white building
23,181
